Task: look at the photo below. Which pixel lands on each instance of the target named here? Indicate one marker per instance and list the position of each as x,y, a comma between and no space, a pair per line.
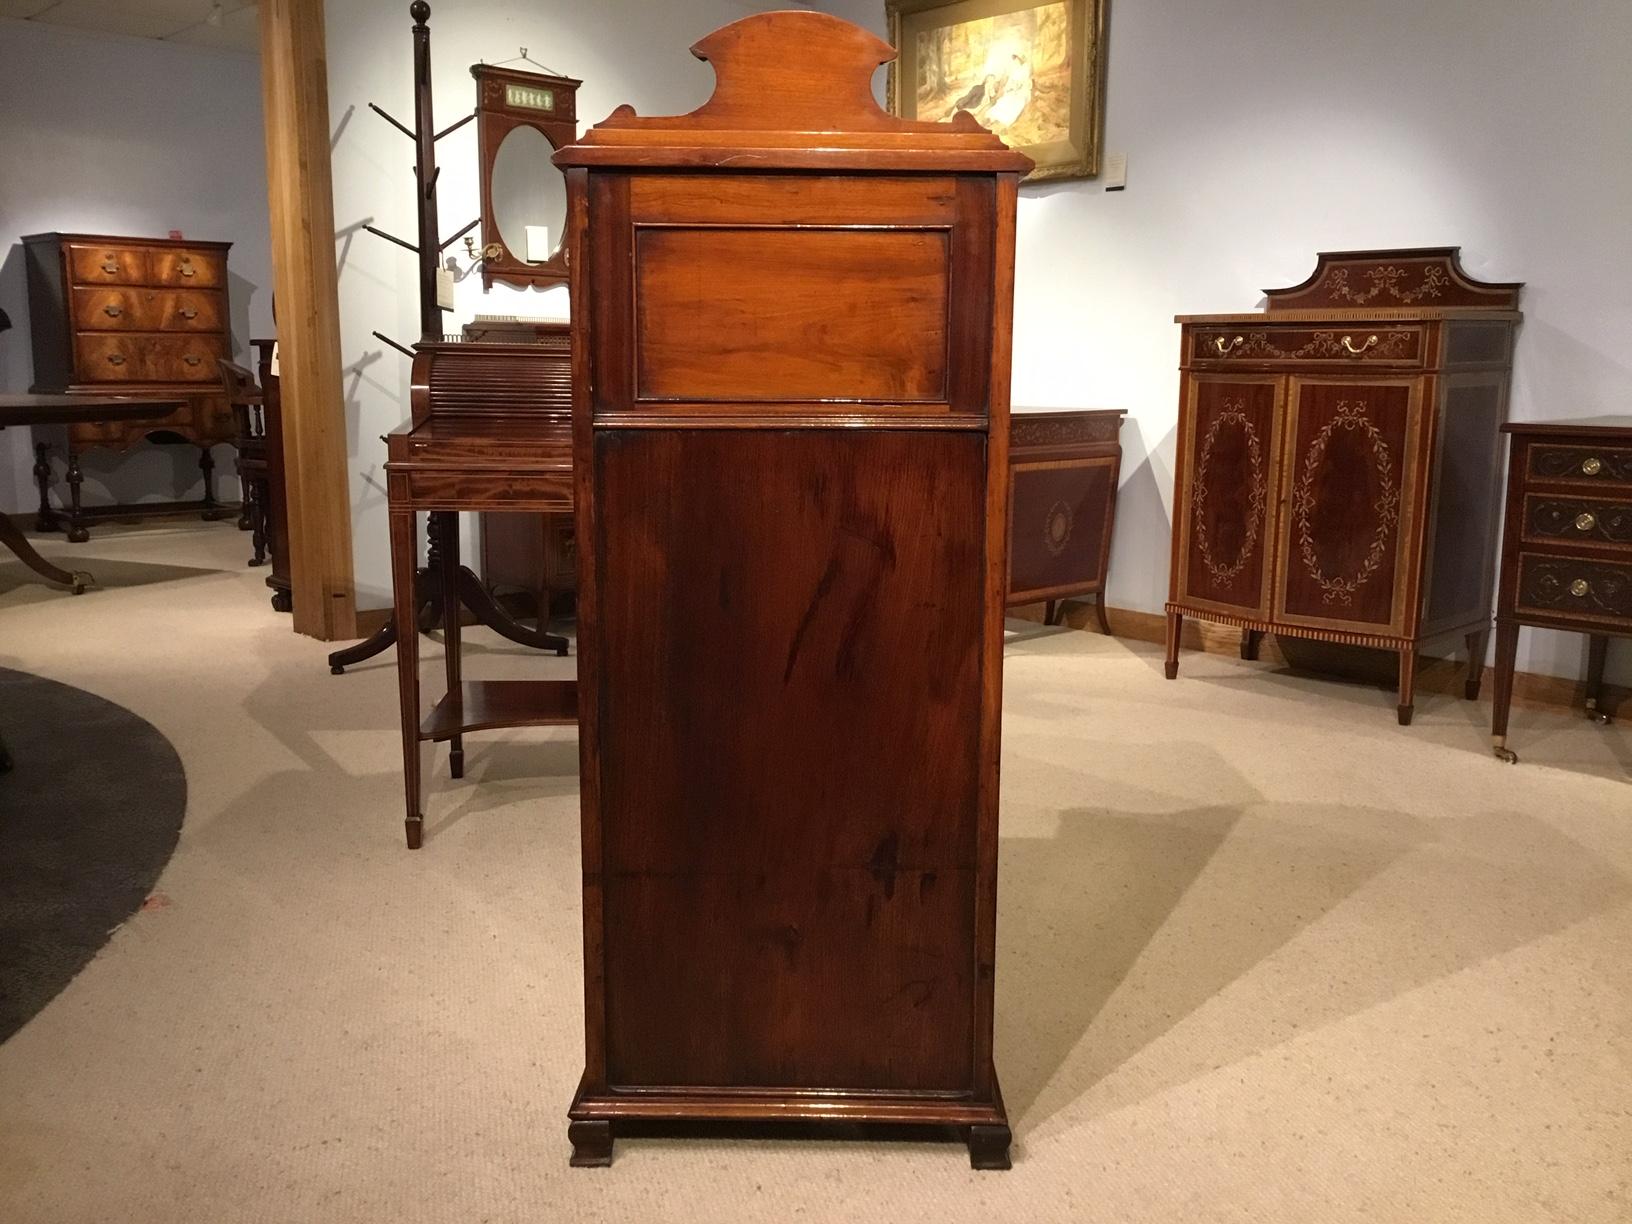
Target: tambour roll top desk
131,317
1338,472
791,320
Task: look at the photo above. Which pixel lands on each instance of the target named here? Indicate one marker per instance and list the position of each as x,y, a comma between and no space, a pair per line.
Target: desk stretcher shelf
484,705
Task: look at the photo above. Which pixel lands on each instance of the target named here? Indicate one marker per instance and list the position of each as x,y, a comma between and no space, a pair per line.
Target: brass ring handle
1348,343
1585,521
187,312
1223,347
113,312
1591,466
1579,587
116,359
192,359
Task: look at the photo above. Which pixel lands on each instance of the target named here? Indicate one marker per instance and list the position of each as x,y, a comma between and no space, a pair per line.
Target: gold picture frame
1032,71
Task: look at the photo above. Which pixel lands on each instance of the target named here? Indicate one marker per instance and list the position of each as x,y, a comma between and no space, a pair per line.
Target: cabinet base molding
1437,675
598,1117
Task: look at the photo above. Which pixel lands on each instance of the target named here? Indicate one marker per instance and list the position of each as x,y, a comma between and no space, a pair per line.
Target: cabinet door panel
1350,496
1231,440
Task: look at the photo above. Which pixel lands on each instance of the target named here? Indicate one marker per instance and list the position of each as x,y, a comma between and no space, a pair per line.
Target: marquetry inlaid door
1231,444
1350,499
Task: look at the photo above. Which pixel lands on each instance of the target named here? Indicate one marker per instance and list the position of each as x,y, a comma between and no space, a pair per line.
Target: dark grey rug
89,815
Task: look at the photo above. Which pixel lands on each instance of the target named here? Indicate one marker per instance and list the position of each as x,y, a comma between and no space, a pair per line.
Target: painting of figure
1027,71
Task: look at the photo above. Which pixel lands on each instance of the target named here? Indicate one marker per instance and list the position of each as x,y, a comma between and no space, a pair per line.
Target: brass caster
81,581
1507,755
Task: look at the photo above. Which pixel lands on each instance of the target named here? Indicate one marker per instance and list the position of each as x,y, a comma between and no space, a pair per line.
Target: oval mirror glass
529,196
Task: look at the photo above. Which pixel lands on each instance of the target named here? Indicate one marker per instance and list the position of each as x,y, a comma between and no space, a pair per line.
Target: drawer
1354,345
134,309
116,357
107,265
1595,591
1578,463
1577,520
192,269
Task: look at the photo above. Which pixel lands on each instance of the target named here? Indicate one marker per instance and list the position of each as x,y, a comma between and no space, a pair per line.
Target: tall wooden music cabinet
791,327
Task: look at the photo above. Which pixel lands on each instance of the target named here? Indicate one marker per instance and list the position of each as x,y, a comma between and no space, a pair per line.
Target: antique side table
1566,546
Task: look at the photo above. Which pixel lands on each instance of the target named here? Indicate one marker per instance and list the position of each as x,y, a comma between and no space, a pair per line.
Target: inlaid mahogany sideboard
130,316
1063,472
1566,546
1339,467
792,470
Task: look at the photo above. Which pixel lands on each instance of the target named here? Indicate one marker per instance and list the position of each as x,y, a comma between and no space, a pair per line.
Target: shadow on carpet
89,815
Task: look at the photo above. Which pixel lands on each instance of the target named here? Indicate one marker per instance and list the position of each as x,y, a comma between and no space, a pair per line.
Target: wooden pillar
294,76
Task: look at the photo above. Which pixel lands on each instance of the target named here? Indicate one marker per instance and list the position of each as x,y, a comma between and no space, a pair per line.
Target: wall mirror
521,119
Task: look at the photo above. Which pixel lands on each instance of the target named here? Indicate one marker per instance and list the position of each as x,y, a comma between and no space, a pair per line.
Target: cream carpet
1264,955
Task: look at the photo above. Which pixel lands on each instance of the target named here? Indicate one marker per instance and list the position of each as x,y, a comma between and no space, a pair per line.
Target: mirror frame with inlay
554,113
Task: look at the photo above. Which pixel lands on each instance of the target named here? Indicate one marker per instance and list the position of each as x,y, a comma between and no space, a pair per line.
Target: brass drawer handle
192,359
113,312
117,359
187,312
1579,587
1591,466
1585,522
1348,344
189,270
110,266
1224,347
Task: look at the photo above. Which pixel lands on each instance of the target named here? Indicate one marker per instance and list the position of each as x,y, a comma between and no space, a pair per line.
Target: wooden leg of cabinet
1408,685
1597,654
1478,641
1250,641
1099,611
76,514
1175,623
591,1144
1507,649
1049,608
989,1146
46,519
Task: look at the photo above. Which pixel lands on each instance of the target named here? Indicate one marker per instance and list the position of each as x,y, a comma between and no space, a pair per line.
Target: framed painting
1032,71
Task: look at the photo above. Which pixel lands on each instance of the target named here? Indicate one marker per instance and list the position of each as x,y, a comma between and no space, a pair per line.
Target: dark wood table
68,410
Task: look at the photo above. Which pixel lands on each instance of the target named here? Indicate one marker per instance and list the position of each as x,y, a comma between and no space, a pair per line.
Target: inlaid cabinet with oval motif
1338,472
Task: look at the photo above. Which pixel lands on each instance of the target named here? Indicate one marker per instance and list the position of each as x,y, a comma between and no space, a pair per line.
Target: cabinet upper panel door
1351,502
1231,442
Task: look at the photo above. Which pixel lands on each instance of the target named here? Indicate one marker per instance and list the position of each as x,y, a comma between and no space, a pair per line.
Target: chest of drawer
1575,463
1305,346
107,265
188,269
1572,519
116,357
137,309
1592,591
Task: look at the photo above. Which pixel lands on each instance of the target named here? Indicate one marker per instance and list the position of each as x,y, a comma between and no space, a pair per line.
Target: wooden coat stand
432,591
789,778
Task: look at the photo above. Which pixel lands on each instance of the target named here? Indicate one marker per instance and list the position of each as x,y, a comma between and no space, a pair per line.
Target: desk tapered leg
404,608
1507,649
447,529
